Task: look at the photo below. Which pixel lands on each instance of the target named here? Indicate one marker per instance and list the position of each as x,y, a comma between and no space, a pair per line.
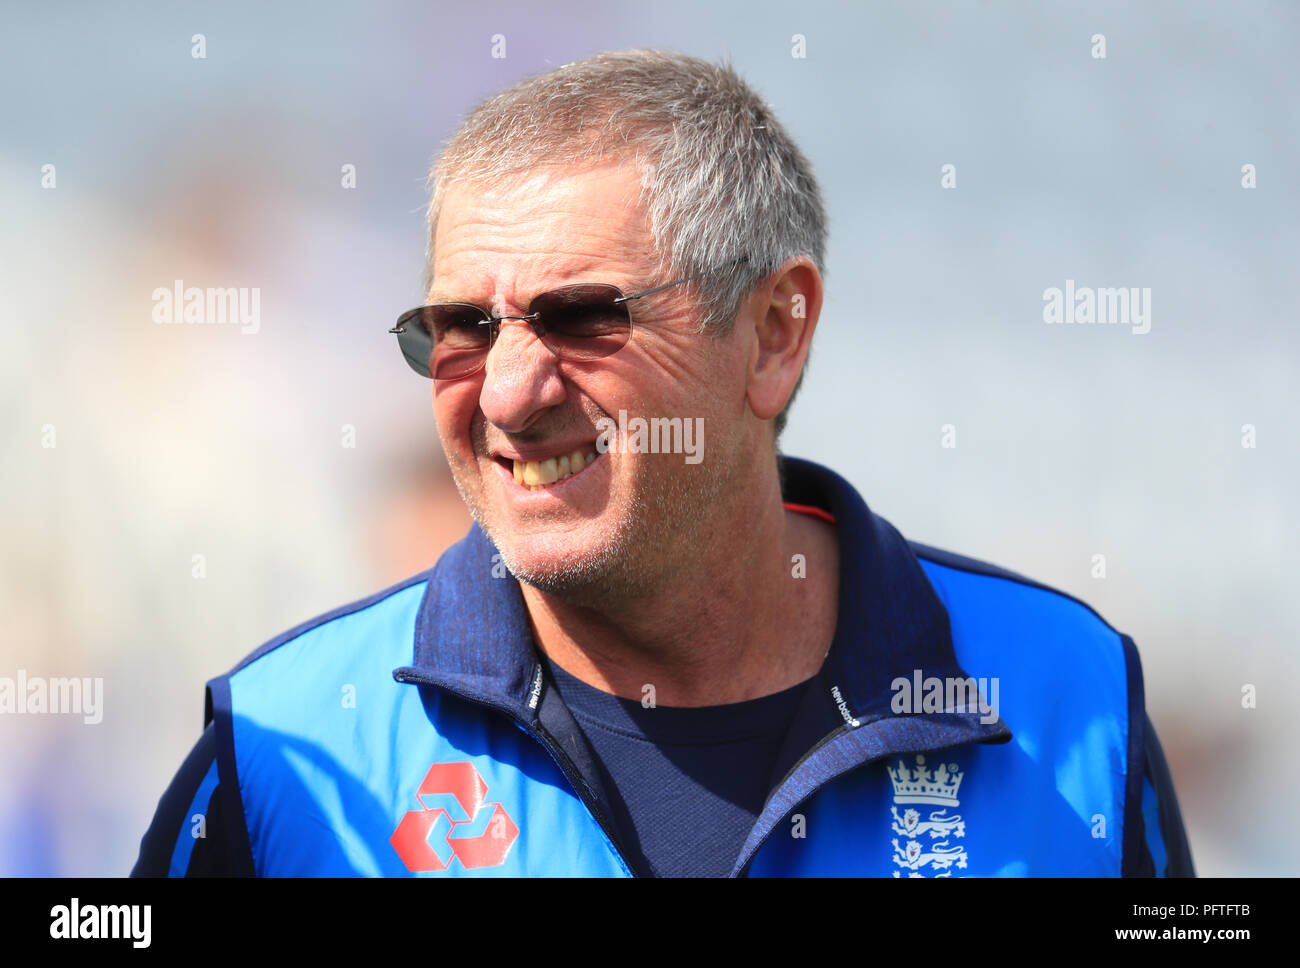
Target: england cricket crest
926,847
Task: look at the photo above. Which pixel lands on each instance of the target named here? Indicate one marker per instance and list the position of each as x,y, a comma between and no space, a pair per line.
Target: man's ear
785,312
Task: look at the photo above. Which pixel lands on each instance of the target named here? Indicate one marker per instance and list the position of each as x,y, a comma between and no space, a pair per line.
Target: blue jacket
416,733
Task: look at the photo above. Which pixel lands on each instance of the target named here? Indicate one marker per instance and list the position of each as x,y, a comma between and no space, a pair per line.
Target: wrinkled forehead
539,229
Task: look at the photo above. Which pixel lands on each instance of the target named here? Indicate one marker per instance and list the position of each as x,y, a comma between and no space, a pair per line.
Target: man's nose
521,378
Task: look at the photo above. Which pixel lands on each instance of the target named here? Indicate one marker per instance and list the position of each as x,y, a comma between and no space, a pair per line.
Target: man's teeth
539,473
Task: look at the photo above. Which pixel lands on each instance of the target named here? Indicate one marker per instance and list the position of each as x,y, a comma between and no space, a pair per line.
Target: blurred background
173,496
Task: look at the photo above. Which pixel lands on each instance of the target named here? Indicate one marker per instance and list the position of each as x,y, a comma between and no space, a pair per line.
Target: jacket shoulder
1040,641
989,603
291,704
361,610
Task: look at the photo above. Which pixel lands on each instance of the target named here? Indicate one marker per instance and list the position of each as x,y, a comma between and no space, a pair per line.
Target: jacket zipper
838,730
575,781
547,742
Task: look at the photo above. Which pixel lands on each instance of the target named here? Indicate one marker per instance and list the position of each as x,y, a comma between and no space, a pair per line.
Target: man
663,649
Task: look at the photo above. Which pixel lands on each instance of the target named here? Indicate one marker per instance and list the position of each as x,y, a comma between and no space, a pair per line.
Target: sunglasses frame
495,321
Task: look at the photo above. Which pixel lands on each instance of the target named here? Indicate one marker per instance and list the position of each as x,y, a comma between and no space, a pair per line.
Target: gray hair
720,177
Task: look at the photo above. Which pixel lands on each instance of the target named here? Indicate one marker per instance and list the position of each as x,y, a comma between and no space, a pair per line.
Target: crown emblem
923,785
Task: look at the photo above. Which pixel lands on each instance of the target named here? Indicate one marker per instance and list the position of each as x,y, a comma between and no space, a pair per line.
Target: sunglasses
583,323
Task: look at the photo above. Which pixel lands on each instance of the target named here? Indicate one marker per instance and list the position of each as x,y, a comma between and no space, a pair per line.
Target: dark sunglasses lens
455,339
413,340
582,323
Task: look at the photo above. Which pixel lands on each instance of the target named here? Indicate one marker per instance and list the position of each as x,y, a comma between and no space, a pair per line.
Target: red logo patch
455,823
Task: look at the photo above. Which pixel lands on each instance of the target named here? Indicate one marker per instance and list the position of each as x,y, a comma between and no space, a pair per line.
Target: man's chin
558,567
598,559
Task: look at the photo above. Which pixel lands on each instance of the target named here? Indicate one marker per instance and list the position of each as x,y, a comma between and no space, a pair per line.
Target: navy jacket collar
472,633
891,621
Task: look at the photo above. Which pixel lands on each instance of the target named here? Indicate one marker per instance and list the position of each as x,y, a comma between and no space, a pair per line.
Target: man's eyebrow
629,285
437,297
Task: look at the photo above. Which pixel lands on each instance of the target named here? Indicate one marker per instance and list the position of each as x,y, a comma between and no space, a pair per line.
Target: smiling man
638,568
638,662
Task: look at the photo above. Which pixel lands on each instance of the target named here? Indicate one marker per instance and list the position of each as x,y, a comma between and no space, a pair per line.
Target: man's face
618,521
